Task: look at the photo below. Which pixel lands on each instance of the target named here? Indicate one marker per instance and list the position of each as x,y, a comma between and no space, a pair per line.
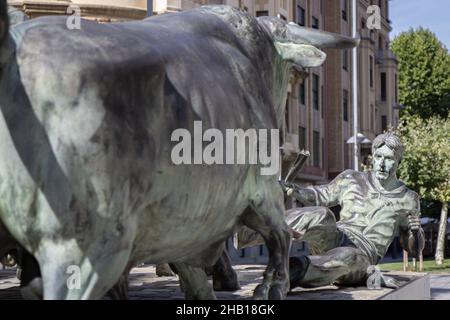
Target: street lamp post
149,8
357,141
355,88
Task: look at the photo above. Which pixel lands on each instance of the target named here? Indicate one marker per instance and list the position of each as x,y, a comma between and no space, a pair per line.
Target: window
345,104
371,71
316,149
302,138
383,86
263,13
345,59
383,123
344,10
375,122
323,152
372,117
387,11
315,92
300,16
323,101
315,23
301,93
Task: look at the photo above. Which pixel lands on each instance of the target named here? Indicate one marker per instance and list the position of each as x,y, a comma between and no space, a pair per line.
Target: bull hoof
261,292
276,293
205,294
33,290
229,284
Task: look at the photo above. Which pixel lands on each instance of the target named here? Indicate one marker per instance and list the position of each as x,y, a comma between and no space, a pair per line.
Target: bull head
301,46
278,45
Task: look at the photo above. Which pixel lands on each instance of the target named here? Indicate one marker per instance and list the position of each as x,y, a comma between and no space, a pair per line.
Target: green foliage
426,160
428,266
424,73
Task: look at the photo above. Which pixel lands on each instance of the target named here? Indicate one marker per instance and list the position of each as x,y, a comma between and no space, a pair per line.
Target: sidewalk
440,286
145,285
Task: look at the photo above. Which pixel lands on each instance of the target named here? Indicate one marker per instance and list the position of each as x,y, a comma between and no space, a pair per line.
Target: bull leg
30,277
69,274
194,282
266,216
224,277
120,289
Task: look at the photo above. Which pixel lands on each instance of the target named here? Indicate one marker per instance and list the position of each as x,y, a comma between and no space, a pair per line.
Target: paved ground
440,286
144,285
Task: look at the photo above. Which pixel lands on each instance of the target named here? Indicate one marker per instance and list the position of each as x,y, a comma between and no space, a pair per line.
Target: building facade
99,10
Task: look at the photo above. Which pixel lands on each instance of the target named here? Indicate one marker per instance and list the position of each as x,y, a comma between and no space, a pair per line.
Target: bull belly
185,237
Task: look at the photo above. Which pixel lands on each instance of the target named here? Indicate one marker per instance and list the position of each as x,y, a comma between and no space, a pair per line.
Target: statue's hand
287,187
389,282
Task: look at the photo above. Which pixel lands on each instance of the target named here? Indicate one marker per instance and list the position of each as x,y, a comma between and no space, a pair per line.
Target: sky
432,14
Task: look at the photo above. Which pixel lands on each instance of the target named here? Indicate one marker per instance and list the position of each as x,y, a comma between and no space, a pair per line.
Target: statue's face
384,163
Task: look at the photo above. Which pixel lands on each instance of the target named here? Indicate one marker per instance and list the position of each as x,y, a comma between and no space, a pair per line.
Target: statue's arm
303,195
412,236
327,195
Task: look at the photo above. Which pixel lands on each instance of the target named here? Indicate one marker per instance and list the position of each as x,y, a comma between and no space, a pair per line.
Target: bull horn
318,38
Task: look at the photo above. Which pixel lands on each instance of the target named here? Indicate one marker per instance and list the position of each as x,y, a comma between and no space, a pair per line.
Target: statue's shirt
370,215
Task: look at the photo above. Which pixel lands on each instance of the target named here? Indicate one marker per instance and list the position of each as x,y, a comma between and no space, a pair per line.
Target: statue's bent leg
224,277
266,216
316,226
193,282
343,265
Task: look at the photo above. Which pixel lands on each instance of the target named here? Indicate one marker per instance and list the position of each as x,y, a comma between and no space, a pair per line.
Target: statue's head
387,153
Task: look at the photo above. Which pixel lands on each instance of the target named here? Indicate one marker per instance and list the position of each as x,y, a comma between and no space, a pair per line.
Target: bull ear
303,55
318,38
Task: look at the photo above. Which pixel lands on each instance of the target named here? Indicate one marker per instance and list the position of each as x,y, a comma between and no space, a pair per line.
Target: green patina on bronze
374,206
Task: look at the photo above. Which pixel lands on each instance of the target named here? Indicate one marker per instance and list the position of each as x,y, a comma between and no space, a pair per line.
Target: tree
425,167
424,73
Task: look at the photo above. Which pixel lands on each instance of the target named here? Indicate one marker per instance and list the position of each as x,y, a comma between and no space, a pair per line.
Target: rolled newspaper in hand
290,192
296,167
